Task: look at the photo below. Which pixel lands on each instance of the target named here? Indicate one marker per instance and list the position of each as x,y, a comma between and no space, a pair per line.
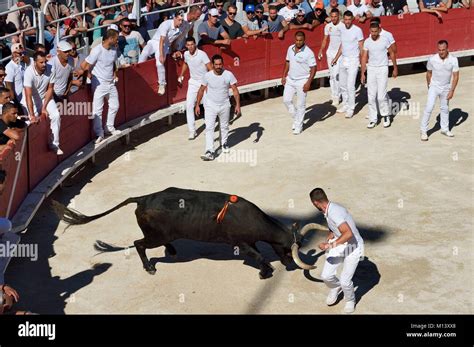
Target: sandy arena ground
412,201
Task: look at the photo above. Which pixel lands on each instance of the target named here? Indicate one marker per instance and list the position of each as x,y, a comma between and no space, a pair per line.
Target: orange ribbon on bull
232,200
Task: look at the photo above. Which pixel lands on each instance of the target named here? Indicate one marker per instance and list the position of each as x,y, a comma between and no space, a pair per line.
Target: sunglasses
126,26
258,11
219,5
231,13
214,16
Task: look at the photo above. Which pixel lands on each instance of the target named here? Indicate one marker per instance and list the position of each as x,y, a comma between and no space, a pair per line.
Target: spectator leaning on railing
230,25
317,17
130,43
375,9
11,127
435,7
395,7
276,22
15,71
334,4
300,21
250,24
289,11
359,10
212,32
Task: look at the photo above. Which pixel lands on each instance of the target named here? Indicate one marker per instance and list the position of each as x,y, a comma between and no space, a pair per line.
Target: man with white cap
352,40
442,78
375,62
38,98
332,30
217,81
62,68
15,71
198,63
162,44
102,62
211,32
299,72
344,245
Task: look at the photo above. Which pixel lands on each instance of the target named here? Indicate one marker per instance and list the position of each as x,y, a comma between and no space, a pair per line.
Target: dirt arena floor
412,201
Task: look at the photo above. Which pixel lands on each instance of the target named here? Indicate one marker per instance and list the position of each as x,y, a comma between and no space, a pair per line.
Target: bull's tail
104,247
74,217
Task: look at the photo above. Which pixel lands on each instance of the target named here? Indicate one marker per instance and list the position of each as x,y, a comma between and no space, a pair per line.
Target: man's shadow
365,278
318,113
456,118
241,134
399,100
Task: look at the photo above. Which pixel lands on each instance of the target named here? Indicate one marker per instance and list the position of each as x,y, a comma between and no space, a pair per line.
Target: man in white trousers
216,104
298,74
198,63
375,62
38,97
344,245
332,30
352,39
442,78
162,44
102,61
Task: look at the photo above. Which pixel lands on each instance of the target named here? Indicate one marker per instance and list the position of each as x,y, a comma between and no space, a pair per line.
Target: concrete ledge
33,201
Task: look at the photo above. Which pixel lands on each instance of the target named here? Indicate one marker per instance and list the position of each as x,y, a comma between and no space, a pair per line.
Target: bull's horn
298,261
312,226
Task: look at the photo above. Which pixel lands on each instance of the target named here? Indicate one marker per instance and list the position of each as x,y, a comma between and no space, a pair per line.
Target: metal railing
19,32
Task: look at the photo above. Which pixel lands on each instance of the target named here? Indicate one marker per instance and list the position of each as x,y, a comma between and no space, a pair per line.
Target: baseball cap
17,48
132,16
113,27
64,46
213,12
250,8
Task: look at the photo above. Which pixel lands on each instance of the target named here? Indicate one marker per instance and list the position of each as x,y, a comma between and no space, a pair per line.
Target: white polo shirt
218,87
377,51
15,74
335,216
442,70
388,35
358,10
197,64
350,41
377,11
334,33
288,13
300,62
168,31
38,83
104,63
60,74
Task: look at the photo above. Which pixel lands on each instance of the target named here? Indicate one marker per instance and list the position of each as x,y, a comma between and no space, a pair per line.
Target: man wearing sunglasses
130,43
299,72
300,22
250,24
289,11
318,16
230,25
211,32
15,71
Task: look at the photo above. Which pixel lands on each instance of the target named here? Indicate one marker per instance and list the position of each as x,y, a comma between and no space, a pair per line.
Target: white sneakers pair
344,109
332,298
424,136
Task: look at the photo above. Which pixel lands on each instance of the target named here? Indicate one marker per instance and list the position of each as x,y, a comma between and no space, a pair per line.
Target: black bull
176,213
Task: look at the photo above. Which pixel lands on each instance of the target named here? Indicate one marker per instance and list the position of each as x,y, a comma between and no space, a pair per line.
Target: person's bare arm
393,57
454,84
29,104
429,73
363,65
181,75
249,32
209,66
449,4
466,3
12,134
405,9
197,109
346,235
235,91
162,50
225,39
285,28
307,85
361,48
323,46
48,97
285,72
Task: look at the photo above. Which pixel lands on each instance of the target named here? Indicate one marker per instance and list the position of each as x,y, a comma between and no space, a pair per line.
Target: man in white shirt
289,11
352,39
62,68
442,78
299,72
162,44
375,9
375,62
15,71
216,104
344,245
102,62
38,98
359,10
198,63
332,30
384,33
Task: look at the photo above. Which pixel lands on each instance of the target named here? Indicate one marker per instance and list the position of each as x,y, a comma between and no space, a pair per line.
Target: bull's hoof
287,261
150,269
266,273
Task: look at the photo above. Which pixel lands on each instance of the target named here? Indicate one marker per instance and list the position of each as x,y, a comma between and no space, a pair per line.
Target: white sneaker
366,116
99,139
447,133
296,131
371,125
386,121
192,136
113,132
333,295
349,114
56,149
161,89
343,109
424,136
335,101
349,307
